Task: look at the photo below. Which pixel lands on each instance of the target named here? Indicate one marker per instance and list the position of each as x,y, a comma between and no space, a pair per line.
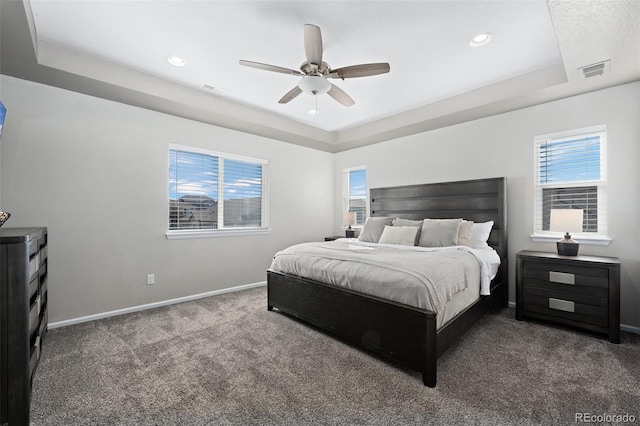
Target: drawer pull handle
562,305
562,278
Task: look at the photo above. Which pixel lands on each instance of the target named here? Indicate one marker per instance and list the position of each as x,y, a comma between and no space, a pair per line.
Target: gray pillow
373,228
408,222
439,232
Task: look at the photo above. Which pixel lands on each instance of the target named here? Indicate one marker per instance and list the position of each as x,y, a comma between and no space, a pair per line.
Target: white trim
571,133
183,234
228,156
630,329
139,308
588,240
623,327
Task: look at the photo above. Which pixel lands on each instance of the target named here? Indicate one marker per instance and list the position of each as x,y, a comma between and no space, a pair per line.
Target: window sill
186,234
594,240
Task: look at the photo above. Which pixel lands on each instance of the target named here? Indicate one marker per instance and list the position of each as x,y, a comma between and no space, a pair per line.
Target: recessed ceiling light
480,39
176,61
314,112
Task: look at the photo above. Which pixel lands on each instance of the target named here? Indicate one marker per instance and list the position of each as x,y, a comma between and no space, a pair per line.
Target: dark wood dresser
578,291
23,317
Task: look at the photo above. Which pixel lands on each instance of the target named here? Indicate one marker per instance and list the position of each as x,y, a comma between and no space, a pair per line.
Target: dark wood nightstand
579,291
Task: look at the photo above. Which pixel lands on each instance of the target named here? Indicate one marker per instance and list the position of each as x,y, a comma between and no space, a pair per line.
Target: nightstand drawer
583,308
568,275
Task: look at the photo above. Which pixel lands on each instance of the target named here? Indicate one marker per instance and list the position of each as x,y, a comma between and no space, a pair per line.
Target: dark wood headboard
477,200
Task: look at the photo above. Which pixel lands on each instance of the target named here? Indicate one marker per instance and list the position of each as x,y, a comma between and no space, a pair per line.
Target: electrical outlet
151,279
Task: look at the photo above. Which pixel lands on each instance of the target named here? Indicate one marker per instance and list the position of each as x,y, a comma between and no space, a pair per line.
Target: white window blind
354,190
570,173
215,191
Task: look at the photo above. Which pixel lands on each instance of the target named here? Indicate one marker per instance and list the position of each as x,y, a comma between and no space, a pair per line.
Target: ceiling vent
594,69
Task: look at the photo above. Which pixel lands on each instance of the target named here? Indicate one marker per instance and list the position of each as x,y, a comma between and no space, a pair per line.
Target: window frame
346,195
590,238
221,230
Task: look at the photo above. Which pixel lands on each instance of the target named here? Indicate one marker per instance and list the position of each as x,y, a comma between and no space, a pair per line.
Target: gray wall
502,145
95,173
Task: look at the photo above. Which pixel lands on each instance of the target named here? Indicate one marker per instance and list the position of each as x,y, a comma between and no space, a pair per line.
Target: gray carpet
227,360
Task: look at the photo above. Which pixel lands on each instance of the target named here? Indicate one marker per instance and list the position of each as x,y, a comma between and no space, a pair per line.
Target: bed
409,335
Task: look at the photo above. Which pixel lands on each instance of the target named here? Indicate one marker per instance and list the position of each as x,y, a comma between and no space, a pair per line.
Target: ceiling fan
315,73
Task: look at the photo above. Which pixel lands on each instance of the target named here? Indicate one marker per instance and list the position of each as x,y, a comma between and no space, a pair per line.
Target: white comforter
423,277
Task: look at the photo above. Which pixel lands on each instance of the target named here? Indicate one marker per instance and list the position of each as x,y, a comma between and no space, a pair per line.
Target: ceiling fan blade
268,67
313,44
363,70
339,95
290,95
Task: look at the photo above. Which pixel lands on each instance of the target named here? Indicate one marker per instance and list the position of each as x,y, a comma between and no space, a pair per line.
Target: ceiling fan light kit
314,85
315,72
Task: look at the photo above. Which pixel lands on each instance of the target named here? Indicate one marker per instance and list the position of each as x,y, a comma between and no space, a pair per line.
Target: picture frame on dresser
581,291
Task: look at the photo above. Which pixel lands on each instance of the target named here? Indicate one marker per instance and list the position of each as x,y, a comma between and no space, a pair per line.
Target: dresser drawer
33,287
34,356
34,316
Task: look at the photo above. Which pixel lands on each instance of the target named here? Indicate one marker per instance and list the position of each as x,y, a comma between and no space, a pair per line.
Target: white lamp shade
566,220
349,218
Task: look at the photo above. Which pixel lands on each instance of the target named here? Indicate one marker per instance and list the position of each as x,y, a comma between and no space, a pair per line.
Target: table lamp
349,219
566,220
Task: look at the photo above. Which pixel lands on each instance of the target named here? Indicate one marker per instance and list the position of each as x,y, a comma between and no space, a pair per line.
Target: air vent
594,69
216,90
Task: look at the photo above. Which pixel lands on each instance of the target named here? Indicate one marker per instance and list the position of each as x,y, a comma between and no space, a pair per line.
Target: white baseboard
623,327
94,317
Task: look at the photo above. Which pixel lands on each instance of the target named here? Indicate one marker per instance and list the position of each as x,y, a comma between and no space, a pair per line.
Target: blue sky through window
358,183
571,160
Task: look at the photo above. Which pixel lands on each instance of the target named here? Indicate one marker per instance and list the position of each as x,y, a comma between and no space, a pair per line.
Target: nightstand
335,237
579,291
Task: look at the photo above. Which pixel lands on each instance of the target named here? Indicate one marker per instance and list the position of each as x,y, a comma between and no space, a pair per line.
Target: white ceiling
436,77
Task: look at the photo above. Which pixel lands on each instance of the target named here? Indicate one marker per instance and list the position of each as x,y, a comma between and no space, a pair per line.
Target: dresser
23,317
578,291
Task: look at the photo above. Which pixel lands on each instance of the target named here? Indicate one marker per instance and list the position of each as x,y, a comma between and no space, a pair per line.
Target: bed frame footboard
397,332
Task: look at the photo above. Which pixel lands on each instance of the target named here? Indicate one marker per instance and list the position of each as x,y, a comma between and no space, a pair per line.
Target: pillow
408,222
480,234
464,233
439,232
373,228
404,235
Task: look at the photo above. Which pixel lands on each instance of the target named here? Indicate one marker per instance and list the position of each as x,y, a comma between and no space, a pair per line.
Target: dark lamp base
567,248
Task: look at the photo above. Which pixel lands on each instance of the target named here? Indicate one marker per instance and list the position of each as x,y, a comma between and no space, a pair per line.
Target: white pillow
373,228
480,234
403,235
439,232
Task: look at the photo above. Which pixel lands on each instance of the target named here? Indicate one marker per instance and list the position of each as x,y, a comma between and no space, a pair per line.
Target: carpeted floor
227,360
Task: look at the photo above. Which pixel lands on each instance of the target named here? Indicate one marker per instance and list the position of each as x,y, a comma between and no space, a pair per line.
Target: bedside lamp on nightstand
566,220
349,219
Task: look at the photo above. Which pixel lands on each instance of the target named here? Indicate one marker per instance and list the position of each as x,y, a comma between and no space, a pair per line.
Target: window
570,172
354,192
212,191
